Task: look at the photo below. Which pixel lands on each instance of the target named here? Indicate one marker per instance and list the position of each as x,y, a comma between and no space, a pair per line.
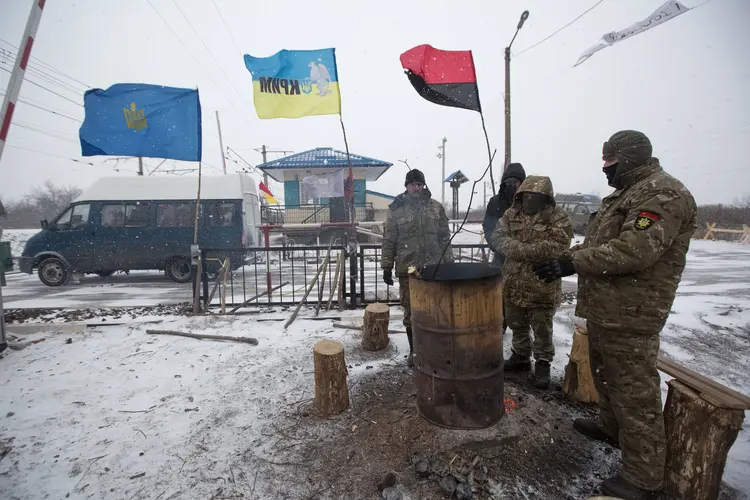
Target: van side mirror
45,224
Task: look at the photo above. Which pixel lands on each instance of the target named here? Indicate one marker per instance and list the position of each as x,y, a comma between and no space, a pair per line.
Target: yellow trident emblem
135,118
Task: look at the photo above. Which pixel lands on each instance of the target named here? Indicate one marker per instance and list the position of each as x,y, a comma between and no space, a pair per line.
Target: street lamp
523,19
441,155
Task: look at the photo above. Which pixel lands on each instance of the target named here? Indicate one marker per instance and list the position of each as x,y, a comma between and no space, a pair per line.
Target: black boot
619,487
517,363
541,374
410,358
590,428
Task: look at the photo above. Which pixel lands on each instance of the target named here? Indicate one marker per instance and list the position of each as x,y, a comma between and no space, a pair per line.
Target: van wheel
53,272
178,270
104,274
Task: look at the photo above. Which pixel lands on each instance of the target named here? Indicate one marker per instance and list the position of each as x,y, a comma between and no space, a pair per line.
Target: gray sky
684,83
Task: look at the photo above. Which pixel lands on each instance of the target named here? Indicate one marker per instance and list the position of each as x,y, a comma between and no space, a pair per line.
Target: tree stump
375,331
578,382
699,436
331,390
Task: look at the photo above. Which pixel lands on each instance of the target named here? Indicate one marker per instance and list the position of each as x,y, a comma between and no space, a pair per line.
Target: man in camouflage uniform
629,267
416,234
532,229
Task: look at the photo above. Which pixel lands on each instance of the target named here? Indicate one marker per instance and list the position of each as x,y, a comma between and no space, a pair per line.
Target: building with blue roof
299,207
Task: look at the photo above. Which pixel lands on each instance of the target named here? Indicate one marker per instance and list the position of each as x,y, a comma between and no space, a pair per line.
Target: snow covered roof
225,187
327,158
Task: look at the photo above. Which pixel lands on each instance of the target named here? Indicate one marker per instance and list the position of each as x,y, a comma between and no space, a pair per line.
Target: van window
125,215
74,217
175,215
221,214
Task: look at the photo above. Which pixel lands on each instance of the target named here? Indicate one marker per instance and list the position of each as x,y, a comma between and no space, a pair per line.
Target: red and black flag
445,77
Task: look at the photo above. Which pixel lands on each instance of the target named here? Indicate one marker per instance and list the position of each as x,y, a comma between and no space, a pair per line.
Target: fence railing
310,214
288,271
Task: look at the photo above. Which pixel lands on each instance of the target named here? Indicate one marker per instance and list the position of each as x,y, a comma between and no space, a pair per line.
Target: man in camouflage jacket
629,267
416,234
534,228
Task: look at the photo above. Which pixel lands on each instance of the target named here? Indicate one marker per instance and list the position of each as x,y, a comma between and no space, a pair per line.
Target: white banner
324,185
669,10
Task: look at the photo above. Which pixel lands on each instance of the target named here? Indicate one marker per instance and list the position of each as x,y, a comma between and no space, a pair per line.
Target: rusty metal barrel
457,318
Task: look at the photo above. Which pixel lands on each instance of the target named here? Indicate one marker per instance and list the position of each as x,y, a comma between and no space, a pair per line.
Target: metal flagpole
221,143
9,105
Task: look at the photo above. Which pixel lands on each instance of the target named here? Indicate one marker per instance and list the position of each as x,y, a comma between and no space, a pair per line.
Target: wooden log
699,436
375,330
331,389
201,336
578,383
339,263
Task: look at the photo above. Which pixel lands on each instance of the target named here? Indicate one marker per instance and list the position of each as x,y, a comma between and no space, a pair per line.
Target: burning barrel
456,315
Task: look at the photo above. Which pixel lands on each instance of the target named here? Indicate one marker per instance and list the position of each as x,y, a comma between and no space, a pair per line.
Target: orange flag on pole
270,198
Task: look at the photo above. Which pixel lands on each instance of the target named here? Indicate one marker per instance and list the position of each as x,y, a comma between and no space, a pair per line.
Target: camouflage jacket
415,234
634,253
525,239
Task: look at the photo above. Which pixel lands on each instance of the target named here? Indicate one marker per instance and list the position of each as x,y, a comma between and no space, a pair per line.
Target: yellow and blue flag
295,83
136,119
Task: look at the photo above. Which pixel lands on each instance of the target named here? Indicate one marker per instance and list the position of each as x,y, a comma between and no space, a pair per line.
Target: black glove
388,276
552,270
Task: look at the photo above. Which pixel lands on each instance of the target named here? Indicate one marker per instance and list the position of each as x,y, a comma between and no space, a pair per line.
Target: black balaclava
532,203
631,149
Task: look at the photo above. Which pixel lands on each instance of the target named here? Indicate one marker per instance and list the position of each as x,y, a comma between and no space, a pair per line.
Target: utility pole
9,105
221,143
264,152
441,154
140,165
524,16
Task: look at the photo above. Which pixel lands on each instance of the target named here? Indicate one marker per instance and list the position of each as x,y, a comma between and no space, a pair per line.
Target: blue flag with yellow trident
295,83
136,119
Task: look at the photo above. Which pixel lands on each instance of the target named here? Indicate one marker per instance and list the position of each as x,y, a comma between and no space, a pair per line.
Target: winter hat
630,148
414,175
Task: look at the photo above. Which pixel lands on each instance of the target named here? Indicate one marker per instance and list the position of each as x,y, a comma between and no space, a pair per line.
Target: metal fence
288,271
311,213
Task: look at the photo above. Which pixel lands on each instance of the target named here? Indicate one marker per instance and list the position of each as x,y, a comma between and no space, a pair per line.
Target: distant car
129,223
579,207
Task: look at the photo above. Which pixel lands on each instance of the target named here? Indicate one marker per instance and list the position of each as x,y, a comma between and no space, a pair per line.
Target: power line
190,52
49,154
561,29
42,131
49,66
206,47
40,74
237,46
38,106
45,88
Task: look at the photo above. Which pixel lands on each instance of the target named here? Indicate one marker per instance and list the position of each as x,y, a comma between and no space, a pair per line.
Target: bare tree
45,202
51,200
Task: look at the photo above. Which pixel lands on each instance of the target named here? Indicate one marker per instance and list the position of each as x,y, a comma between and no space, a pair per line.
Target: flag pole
221,143
198,270
489,152
350,178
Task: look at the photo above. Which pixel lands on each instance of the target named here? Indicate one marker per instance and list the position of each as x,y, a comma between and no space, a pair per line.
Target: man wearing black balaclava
629,267
513,176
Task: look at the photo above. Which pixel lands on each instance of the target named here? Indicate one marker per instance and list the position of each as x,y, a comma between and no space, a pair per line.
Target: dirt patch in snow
45,315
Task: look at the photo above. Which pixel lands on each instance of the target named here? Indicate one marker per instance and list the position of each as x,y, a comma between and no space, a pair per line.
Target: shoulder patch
645,220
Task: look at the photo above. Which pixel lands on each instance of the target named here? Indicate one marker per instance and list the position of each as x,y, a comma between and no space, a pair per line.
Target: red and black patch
645,220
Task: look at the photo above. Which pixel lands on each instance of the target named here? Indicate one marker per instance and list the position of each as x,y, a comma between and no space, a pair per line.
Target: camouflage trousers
403,284
623,363
522,320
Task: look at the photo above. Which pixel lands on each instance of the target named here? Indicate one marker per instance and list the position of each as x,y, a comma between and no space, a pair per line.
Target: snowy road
90,418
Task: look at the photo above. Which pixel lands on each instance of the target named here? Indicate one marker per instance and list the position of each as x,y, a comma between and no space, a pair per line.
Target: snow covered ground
118,413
